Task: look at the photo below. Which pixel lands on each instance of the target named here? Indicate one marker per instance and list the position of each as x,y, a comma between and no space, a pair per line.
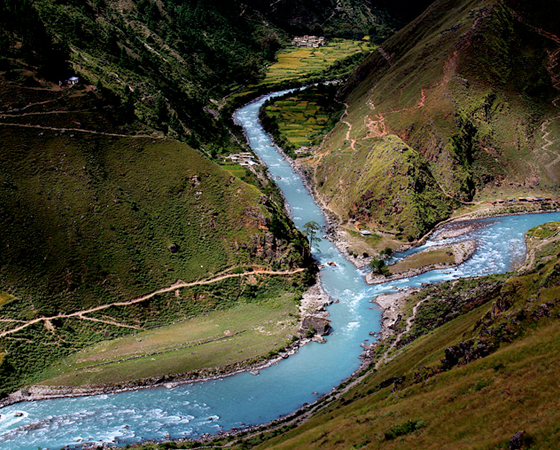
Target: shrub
410,426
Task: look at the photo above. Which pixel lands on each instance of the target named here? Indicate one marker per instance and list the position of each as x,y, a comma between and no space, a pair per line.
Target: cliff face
470,86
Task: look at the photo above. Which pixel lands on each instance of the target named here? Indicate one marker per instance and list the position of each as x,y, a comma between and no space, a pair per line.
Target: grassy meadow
426,258
383,183
201,345
478,406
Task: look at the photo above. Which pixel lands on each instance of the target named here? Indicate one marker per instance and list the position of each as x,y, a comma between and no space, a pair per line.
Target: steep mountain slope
470,86
347,18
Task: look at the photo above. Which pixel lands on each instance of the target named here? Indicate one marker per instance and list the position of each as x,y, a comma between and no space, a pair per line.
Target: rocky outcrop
314,316
517,441
315,324
464,352
392,305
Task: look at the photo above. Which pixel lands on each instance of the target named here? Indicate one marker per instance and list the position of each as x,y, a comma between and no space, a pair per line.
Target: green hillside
108,193
130,257
469,88
93,214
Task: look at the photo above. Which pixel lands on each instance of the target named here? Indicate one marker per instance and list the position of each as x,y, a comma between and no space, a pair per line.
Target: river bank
312,313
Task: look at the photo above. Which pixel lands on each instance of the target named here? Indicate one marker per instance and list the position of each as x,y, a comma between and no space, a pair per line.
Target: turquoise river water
191,410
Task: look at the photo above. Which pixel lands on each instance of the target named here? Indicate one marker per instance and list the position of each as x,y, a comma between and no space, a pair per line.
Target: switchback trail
349,125
555,78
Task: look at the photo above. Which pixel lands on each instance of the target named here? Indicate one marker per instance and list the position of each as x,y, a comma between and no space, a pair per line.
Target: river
191,410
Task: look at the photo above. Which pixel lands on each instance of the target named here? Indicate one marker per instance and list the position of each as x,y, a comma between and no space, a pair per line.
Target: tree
310,229
377,265
387,253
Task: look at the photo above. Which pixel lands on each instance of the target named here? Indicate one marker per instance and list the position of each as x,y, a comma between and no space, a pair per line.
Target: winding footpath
555,78
80,130
178,285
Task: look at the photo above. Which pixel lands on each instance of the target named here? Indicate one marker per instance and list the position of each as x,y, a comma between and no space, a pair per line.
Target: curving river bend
194,409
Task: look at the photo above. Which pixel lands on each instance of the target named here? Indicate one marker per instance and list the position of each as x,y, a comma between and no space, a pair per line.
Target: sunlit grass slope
469,87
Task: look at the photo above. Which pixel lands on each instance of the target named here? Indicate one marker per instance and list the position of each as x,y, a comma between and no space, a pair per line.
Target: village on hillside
245,159
309,41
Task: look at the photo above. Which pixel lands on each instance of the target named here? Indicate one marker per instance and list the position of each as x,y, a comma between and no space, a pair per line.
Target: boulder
321,325
517,440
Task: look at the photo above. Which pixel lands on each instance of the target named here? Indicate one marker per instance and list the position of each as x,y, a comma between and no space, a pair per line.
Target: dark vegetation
349,19
21,24
443,303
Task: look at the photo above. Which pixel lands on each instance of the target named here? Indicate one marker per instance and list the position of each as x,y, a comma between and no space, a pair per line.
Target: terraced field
296,62
300,120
